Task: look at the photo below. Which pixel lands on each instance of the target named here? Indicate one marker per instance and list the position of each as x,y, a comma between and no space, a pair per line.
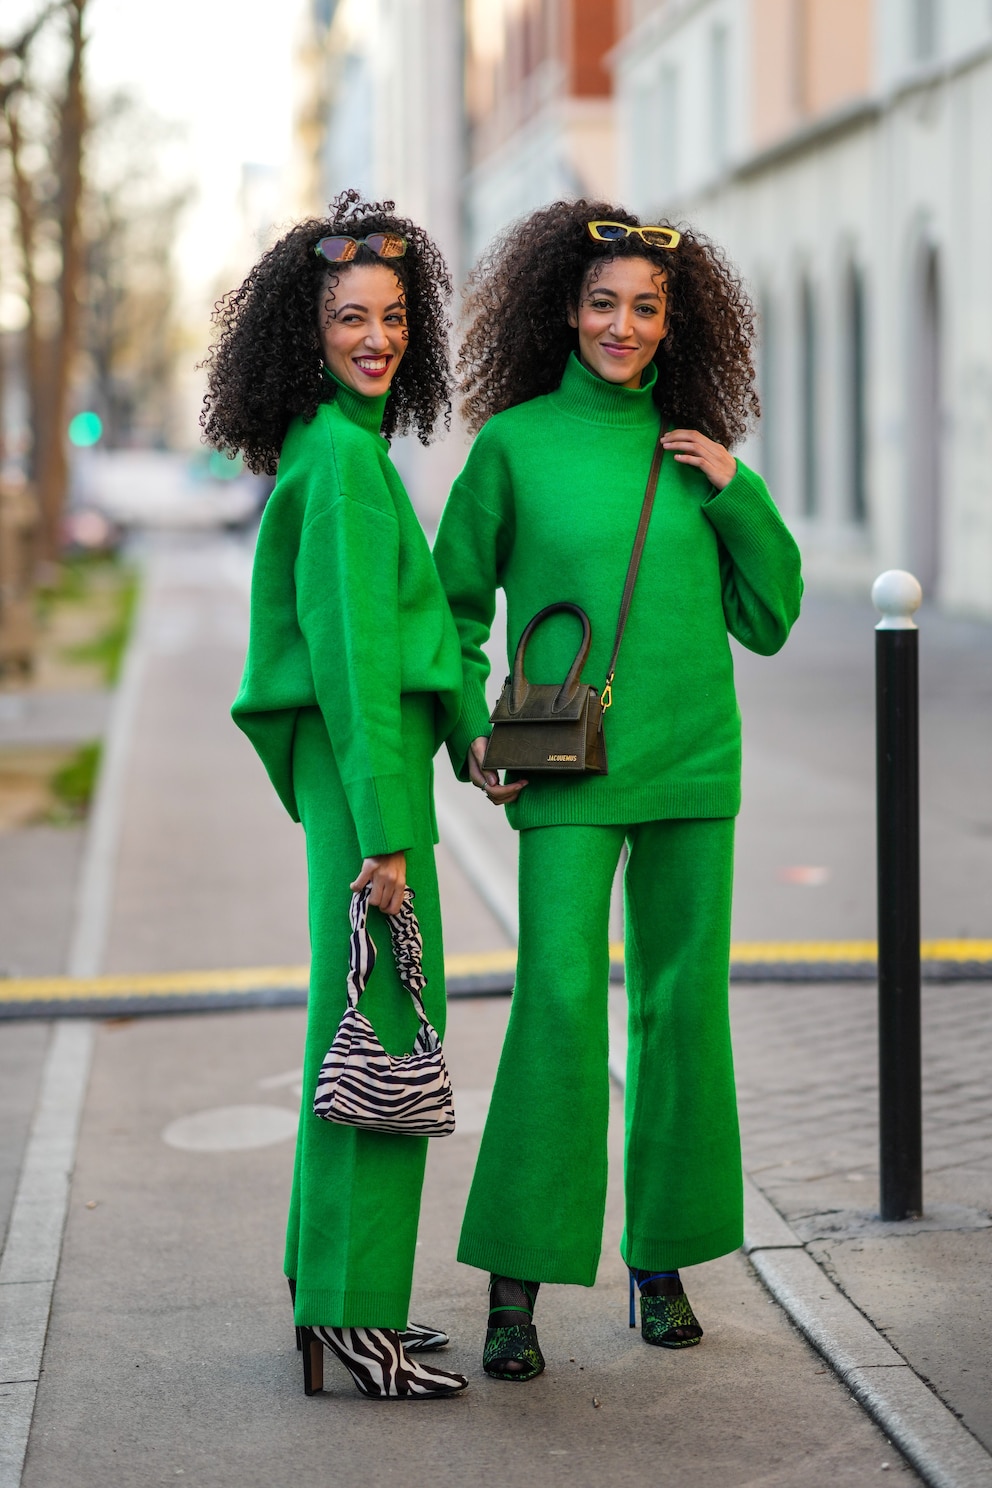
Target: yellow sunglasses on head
614,232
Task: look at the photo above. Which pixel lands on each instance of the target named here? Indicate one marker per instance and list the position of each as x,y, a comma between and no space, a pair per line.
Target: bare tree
130,215
44,134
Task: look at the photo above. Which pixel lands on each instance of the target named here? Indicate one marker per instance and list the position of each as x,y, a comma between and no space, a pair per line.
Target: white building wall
396,130
418,110
907,175
680,123
566,150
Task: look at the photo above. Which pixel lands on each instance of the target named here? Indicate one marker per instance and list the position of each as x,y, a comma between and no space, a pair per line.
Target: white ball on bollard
897,594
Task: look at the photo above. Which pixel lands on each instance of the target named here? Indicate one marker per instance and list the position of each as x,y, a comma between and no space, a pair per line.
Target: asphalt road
170,1354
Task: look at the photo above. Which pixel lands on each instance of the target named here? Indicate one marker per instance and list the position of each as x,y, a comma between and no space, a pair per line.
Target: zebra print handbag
359,1083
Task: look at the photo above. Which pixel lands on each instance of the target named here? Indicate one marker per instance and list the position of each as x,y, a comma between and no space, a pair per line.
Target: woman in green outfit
336,340
589,337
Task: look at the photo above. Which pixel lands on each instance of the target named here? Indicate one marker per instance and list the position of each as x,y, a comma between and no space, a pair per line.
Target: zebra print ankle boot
378,1365
416,1338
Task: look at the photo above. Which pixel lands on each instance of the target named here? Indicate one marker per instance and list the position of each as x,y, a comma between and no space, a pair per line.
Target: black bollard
897,595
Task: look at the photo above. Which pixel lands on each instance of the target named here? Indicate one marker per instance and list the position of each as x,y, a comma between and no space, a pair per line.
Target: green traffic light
85,429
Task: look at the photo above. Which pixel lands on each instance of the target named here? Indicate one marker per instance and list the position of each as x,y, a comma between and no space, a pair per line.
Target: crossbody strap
606,697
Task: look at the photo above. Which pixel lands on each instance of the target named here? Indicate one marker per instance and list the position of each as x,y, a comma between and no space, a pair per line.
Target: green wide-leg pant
537,1201
355,1205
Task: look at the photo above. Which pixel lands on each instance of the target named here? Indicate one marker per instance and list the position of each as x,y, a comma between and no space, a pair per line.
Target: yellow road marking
168,984
153,984
478,963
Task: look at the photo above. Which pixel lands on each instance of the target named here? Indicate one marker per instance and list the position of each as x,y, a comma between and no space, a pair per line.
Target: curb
33,1247
913,1417
94,899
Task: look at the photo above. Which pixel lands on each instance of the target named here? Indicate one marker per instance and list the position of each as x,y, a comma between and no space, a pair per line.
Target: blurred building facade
541,118
381,89
835,148
838,149
382,108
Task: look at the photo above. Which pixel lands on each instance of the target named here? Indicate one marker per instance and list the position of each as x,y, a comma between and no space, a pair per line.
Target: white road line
30,1259
477,860
97,878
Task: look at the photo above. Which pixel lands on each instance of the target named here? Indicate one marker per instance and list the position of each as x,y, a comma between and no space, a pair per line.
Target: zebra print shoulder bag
359,1083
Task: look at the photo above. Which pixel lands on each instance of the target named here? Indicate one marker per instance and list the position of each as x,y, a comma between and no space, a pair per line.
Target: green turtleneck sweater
347,615
546,508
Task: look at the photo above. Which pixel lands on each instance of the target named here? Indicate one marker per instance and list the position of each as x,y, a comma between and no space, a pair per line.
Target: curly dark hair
518,338
265,368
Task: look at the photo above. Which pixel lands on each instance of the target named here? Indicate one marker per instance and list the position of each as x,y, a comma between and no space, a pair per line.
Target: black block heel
377,1363
313,1361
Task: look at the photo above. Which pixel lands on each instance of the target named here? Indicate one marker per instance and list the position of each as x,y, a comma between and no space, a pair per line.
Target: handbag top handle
572,683
408,949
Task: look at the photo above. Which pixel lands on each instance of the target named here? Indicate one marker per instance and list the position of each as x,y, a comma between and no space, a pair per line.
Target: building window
666,137
923,30
808,398
654,115
856,397
719,101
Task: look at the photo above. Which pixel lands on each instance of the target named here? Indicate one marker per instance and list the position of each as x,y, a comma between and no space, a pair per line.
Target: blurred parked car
161,488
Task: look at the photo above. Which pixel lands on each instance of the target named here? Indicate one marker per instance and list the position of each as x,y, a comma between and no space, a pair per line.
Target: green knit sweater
546,508
348,615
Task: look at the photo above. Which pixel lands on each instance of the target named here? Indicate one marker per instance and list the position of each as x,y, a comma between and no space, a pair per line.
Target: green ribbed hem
527,1262
594,803
337,1309
380,808
652,1254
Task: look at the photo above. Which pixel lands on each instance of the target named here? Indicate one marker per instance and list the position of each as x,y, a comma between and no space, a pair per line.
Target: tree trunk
51,462
27,220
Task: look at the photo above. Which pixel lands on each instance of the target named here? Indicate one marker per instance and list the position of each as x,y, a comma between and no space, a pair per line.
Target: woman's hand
692,448
488,780
387,875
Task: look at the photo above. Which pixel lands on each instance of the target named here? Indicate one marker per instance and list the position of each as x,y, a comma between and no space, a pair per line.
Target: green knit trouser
538,1197
355,1206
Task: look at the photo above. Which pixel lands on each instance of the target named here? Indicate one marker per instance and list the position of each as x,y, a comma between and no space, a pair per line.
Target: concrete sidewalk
170,1337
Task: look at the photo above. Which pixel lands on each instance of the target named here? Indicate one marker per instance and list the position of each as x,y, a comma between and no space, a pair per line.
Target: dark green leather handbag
558,726
548,725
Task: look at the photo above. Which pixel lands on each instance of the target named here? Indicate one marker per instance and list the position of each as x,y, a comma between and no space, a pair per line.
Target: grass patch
107,588
73,580
73,785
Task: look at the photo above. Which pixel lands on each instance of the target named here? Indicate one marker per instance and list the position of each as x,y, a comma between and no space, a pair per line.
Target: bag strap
606,697
408,949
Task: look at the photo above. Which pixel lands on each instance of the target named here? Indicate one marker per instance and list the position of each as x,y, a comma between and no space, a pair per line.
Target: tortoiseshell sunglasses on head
341,249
